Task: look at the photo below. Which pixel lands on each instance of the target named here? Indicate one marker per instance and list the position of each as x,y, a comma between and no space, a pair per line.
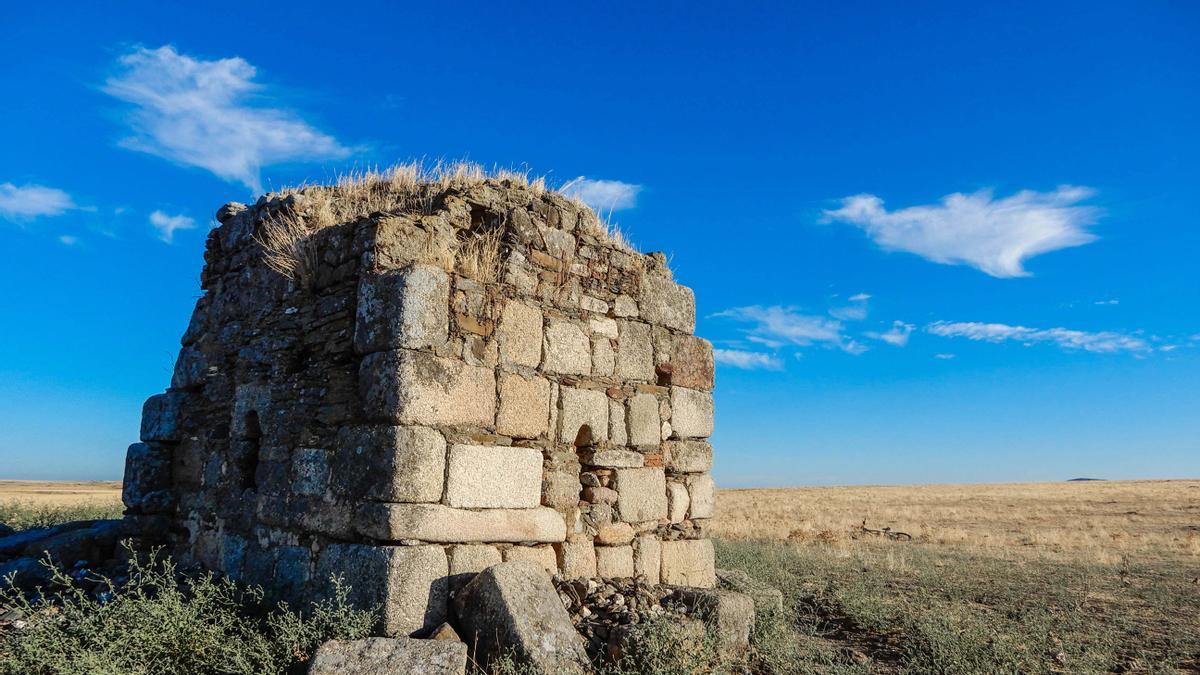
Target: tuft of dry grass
479,256
408,188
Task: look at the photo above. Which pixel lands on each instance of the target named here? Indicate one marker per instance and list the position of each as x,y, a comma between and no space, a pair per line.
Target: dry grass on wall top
409,188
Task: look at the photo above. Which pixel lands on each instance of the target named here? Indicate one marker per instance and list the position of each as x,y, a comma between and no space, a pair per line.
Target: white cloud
746,360
943,357
198,113
68,240
167,225
1103,341
897,335
861,297
1114,301
992,235
30,201
602,195
779,326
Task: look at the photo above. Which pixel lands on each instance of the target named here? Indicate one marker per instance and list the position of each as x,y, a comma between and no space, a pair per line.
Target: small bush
28,515
165,622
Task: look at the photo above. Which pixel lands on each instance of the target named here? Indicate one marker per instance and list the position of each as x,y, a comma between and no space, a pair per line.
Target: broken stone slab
729,615
443,524
389,656
512,609
766,598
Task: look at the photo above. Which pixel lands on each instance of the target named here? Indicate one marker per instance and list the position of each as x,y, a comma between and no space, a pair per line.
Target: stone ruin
409,394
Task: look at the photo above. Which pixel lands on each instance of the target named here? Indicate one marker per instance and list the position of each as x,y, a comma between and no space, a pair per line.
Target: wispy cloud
200,113
780,326
1102,341
68,240
1112,301
602,195
167,225
860,297
995,236
747,360
31,201
943,356
896,335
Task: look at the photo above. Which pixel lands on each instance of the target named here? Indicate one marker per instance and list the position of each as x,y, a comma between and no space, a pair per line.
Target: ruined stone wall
397,416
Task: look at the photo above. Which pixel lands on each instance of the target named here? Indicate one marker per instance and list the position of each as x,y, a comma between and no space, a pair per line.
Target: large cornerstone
420,393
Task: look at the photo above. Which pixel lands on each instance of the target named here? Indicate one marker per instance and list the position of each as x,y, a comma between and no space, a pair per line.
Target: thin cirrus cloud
777,326
202,113
1100,342
897,335
602,195
995,236
26,202
167,225
745,360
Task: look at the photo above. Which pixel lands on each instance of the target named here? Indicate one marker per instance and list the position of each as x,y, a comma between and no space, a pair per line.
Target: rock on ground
513,609
389,656
766,598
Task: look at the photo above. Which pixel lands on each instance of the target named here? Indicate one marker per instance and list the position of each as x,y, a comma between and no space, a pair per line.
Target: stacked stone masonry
388,419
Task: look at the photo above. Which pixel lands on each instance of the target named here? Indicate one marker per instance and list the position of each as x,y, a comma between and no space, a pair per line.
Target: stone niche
422,393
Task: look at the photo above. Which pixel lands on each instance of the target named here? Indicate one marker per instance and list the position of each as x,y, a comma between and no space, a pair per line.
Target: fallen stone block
765,597
389,656
512,609
729,615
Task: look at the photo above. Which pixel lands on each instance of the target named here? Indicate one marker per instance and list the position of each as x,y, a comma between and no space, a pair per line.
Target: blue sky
931,242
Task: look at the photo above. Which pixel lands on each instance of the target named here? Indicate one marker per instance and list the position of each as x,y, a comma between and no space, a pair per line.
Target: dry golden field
1098,520
60,492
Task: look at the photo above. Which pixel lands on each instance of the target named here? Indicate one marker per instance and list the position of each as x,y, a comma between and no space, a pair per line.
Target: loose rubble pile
598,607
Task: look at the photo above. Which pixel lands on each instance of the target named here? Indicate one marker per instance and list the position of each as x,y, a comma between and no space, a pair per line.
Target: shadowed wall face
488,377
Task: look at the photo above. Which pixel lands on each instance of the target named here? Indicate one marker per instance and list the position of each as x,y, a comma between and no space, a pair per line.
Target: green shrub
165,622
27,515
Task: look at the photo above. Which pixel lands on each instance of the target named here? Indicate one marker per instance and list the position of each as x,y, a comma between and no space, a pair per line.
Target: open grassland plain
1071,577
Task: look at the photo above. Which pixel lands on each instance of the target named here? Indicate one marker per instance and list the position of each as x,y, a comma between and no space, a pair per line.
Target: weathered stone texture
390,463
410,387
615,562
688,456
688,562
642,494
635,355
512,609
579,408
444,524
524,406
389,656
402,308
691,413
407,583
568,350
520,335
666,303
493,477
645,426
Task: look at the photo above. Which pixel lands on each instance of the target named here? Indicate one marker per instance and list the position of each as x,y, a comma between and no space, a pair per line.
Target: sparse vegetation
1010,578
411,188
25,515
165,622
